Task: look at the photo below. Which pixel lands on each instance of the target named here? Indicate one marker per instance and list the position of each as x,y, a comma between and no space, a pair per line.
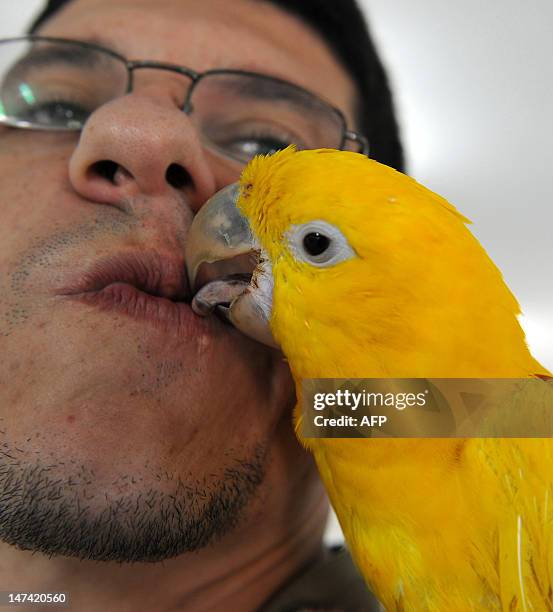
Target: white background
474,89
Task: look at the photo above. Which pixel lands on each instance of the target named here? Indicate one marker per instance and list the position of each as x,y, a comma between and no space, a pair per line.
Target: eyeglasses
56,84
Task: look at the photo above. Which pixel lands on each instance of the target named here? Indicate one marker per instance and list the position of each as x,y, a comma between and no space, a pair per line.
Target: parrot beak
223,265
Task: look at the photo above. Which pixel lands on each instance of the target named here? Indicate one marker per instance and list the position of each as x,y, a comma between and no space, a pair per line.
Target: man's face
122,416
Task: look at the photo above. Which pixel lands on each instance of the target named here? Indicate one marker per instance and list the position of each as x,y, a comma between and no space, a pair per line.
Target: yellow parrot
361,272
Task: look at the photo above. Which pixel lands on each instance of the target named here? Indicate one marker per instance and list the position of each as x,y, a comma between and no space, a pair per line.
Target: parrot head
325,251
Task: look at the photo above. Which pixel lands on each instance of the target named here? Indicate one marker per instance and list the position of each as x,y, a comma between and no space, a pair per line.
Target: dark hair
342,26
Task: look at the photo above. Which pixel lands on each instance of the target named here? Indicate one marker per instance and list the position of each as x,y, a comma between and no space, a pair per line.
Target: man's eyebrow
51,52
273,89
102,42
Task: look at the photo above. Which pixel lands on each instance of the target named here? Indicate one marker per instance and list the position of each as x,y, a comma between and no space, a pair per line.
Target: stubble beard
42,512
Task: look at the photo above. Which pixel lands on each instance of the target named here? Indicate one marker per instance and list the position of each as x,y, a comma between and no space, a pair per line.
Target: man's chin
63,508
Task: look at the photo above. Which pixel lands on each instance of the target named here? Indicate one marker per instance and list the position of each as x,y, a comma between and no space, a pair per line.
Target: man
130,429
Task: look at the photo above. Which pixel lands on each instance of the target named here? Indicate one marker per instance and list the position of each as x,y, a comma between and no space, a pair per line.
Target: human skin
119,425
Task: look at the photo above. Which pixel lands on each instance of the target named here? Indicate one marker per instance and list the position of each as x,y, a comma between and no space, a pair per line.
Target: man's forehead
248,34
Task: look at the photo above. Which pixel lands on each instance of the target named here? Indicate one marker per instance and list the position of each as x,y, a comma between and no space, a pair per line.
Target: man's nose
139,145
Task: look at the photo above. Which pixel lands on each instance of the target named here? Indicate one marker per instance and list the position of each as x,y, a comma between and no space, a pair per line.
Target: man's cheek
57,366
17,377
25,192
12,141
18,223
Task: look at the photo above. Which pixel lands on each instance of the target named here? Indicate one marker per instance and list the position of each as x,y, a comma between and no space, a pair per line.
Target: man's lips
144,285
150,272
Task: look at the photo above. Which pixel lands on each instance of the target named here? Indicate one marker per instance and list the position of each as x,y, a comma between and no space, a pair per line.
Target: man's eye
243,138
58,113
250,146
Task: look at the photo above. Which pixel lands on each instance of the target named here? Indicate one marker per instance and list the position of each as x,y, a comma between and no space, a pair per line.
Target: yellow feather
433,524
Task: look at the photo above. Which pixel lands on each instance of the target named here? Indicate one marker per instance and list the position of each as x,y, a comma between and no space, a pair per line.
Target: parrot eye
315,243
319,243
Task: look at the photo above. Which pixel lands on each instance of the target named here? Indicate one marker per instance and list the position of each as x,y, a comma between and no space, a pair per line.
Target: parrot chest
441,520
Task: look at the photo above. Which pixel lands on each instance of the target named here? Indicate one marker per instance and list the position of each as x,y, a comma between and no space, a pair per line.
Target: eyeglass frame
194,76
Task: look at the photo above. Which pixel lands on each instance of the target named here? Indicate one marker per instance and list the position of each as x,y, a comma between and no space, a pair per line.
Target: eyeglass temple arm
362,140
